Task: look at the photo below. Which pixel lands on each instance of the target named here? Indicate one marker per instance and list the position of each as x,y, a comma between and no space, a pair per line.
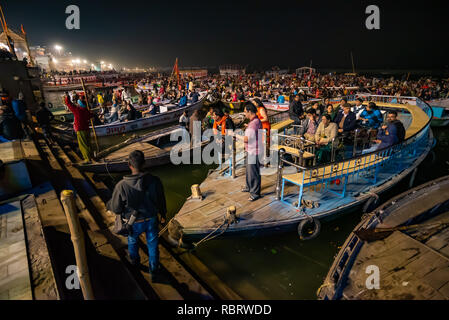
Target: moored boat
440,109
405,240
169,113
156,146
325,190
239,105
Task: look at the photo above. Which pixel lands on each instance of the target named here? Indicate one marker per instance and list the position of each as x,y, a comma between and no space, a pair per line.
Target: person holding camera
138,199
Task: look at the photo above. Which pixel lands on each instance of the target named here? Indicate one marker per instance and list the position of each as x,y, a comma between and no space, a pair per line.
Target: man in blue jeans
140,193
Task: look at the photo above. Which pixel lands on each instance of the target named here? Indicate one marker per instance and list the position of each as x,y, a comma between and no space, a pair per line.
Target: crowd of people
323,122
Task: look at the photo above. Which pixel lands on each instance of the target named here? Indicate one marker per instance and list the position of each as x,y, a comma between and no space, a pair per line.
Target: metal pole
332,150
354,150
301,151
233,163
279,174
77,236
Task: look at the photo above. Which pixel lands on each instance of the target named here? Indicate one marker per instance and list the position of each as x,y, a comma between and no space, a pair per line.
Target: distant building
305,71
276,71
232,70
195,73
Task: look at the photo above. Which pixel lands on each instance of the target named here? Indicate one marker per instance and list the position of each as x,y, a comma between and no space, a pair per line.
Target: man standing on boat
81,126
140,195
253,148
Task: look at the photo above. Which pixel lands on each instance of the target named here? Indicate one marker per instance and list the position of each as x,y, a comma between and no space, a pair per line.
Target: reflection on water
281,266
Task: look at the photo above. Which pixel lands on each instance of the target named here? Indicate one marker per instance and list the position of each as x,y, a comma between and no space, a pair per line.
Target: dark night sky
258,33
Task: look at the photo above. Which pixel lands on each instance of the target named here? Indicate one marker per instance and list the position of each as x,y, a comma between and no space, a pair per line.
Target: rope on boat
107,170
326,284
164,228
210,237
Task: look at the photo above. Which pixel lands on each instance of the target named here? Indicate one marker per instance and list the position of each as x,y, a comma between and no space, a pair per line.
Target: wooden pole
27,46
91,119
77,236
352,61
5,30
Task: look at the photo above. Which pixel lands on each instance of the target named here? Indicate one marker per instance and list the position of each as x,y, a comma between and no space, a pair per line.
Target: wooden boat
440,109
168,113
272,105
407,239
325,190
234,105
156,147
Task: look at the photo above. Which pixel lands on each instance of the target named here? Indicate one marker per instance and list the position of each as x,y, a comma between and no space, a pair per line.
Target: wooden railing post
77,236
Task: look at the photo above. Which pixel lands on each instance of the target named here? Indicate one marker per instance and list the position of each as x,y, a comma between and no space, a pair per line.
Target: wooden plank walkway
14,269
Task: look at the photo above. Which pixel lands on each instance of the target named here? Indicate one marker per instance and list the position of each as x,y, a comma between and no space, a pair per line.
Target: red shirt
81,114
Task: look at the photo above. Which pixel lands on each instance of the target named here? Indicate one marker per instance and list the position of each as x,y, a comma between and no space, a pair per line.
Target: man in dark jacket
295,110
44,117
392,118
346,120
142,195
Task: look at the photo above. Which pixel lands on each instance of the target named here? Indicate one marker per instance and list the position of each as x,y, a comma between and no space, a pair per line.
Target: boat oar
381,233
91,119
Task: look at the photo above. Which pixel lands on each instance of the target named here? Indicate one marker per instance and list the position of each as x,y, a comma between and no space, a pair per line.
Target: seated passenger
385,138
183,100
131,113
392,118
358,105
319,109
222,123
281,98
310,125
371,116
195,96
331,111
324,135
346,120
113,114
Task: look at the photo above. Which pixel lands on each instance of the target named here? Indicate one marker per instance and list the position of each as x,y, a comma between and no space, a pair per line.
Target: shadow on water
280,266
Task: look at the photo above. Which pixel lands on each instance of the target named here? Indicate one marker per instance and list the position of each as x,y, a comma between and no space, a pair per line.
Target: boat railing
298,146
278,117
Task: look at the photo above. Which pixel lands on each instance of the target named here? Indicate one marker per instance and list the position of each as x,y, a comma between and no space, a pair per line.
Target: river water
279,266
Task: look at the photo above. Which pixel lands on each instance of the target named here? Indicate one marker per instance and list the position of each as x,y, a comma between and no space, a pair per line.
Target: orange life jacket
222,123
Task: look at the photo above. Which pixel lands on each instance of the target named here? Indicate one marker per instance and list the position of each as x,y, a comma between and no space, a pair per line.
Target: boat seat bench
326,174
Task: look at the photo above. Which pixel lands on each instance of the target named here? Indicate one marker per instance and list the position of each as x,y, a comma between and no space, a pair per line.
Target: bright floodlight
58,48
84,61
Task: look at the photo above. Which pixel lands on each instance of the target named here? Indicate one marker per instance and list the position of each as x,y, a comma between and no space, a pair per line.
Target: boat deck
413,264
198,218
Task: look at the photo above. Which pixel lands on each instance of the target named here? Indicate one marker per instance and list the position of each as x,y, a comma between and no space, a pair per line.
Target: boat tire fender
302,228
62,118
371,203
50,105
